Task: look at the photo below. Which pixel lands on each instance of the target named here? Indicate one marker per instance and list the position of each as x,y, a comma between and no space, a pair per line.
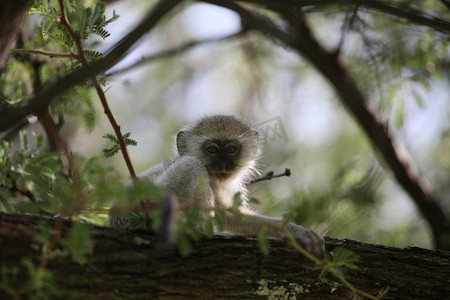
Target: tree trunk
125,265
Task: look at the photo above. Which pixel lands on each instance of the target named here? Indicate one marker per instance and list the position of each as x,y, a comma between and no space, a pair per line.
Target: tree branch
397,10
303,41
45,53
11,15
10,115
270,175
127,264
174,51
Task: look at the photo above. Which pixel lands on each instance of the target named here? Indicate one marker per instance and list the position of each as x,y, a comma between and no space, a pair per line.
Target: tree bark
12,14
126,265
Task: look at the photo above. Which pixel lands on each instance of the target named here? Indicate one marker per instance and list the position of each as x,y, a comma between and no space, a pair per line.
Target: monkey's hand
310,240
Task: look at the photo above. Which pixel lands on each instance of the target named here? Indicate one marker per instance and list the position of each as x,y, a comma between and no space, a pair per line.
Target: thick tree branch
11,115
11,15
303,41
397,10
126,264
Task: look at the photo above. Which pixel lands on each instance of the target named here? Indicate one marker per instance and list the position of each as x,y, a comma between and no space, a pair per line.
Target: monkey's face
223,157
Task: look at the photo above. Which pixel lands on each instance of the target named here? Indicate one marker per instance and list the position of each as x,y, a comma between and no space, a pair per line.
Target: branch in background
346,26
10,115
27,193
55,141
11,132
304,42
53,135
398,10
270,175
174,51
446,3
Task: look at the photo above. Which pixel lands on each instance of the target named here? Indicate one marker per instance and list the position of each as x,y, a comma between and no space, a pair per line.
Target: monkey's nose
224,165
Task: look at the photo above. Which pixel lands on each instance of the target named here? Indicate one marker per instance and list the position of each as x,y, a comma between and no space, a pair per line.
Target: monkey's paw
310,240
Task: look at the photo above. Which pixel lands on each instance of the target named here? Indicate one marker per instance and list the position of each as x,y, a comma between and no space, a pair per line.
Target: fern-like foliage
29,173
88,20
92,54
93,21
114,149
85,20
341,261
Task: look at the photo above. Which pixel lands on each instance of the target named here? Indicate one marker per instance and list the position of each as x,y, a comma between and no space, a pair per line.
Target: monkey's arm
182,177
125,220
310,240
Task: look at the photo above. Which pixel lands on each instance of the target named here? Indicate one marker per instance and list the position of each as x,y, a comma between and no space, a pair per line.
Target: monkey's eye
232,149
212,149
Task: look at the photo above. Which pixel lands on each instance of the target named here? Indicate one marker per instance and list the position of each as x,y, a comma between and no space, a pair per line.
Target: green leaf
102,33
254,201
263,243
79,242
111,137
209,227
237,202
64,38
184,244
47,172
23,140
219,219
92,54
113,150
112,19
345,258
418,99
82,24
40,284
128,141
342,260
90,119
94,15
110,152
400,113
70,5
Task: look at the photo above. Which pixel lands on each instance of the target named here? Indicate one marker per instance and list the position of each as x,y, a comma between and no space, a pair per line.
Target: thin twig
100,93
55,140
54,135
45,53
270,175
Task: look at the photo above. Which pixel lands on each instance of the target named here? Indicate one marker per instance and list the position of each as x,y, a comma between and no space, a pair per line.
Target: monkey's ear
181,142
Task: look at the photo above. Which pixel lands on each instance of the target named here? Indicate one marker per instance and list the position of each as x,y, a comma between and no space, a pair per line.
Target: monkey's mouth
222,175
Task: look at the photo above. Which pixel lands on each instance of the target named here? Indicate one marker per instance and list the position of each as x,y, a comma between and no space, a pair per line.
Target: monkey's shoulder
155,171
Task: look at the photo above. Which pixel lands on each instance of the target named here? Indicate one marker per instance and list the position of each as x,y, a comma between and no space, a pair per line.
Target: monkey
215,159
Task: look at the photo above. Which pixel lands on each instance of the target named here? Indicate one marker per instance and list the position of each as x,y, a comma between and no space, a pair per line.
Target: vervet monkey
216,159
